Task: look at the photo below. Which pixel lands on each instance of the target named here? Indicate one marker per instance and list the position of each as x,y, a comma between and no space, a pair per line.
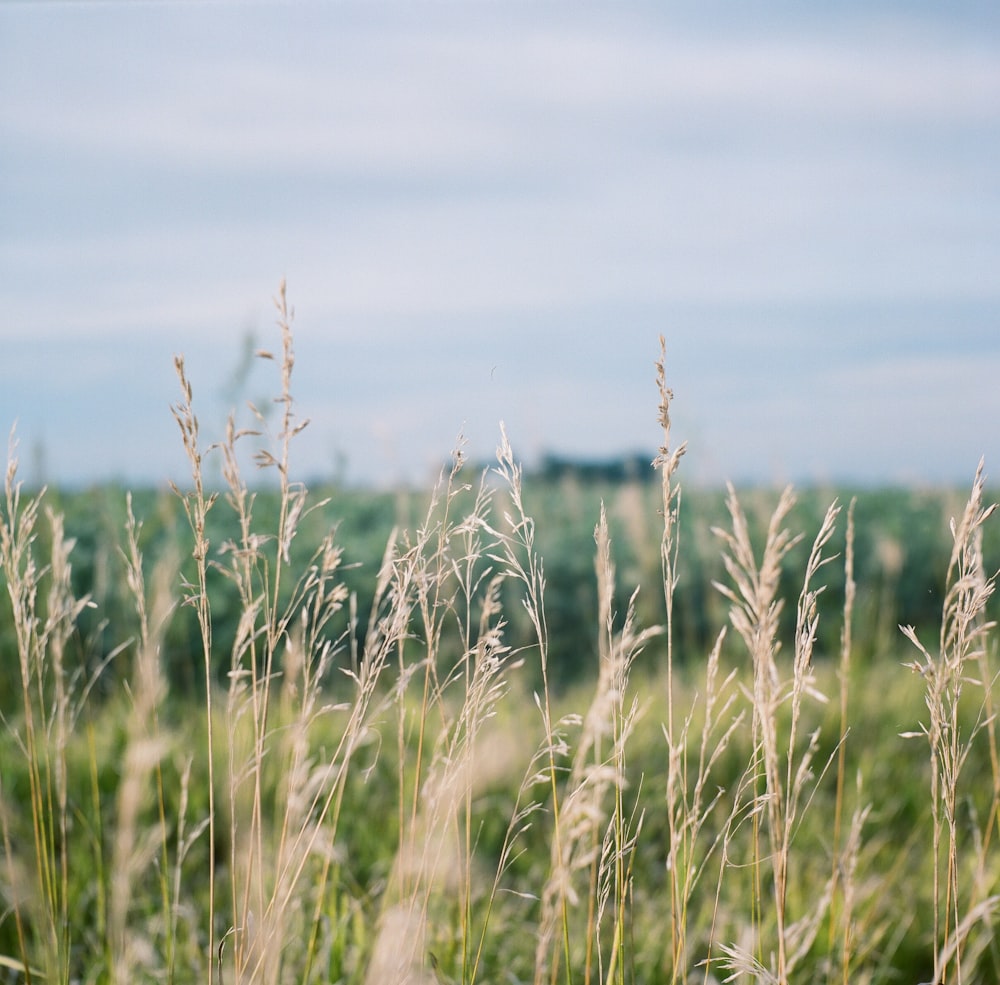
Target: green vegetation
902,545
271,735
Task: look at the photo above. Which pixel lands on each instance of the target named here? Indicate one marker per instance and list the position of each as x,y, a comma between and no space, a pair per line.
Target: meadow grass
411,797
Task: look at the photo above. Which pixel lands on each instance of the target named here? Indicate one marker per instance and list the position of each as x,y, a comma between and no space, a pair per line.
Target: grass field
385,739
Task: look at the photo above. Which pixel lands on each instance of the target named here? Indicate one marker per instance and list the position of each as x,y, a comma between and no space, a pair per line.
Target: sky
489,211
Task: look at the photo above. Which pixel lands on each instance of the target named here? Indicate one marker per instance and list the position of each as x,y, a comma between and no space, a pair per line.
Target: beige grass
736,850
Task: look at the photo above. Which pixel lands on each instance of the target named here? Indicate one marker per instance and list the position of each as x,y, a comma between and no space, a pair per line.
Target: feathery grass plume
48,908
134,849
513,549
695,832
283,635
516,553
668,461
442,577
423,576
44,613
53,698
843,677
698,815
846,852
687,808
754,614
613,716
961,646
690,803
755,610
197,504
594,837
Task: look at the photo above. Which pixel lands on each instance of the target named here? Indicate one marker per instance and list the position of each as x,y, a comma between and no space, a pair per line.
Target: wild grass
412,797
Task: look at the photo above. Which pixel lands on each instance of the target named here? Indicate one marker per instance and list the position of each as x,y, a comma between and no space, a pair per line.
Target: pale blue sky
488,211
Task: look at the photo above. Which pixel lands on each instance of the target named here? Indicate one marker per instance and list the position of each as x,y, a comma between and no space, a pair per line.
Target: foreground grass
406,796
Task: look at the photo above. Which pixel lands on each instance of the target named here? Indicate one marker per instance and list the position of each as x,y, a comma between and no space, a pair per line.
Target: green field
518,728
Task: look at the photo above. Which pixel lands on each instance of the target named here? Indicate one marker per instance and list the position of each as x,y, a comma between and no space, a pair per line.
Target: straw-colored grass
413,800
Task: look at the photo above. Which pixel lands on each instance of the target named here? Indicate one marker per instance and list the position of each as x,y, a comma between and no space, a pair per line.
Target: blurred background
490,211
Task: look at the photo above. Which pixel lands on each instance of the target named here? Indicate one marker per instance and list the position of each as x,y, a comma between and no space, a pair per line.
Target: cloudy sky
490,210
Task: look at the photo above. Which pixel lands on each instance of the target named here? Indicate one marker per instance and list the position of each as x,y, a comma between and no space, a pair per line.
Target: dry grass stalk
961,646
134,850
45,612
440,578
613,716
668,461
755,611
282,634
197,504
592,835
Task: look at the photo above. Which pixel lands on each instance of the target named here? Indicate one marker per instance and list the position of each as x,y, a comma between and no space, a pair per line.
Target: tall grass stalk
844,677
612,718
135,849
197,504
282,639
442,580
962,646
690,801
785,763
44,611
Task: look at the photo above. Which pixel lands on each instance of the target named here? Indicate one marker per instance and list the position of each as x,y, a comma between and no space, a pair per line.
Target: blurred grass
902,547
469,733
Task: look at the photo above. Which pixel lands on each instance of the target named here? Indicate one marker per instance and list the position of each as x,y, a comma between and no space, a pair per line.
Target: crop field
523,727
